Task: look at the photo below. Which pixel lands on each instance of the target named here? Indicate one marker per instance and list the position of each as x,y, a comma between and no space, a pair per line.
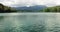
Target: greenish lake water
30,22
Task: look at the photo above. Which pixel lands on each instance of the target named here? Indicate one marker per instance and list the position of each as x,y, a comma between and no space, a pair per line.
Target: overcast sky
30,2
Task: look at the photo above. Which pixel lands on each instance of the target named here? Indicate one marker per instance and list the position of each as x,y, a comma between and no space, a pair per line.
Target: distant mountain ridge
31,8
36,8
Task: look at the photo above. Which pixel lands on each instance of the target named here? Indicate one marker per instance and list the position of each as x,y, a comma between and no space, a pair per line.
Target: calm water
30,22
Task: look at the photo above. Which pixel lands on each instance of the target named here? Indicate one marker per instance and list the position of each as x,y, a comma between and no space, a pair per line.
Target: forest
51,9
6,9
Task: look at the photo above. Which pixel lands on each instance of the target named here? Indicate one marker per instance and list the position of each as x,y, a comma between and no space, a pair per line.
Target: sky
17,3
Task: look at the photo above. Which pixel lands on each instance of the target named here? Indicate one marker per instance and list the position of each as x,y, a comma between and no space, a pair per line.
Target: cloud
30,2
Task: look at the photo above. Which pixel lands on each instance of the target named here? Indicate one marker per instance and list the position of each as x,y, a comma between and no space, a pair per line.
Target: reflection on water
40,22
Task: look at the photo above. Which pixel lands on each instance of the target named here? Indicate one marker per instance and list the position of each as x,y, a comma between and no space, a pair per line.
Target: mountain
31,8
6,9
52,9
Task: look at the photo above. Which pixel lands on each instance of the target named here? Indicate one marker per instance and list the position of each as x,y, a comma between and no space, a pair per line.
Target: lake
29,22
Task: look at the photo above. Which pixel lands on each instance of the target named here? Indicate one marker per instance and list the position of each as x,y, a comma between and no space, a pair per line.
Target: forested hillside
52,9
6,9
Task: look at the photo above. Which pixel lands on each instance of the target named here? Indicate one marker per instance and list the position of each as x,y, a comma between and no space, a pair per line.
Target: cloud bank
30,2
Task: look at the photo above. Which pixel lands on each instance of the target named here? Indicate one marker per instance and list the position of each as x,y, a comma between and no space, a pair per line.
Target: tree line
52,9
7,9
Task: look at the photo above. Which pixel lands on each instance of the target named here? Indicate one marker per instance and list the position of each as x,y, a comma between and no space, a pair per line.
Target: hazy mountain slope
31,8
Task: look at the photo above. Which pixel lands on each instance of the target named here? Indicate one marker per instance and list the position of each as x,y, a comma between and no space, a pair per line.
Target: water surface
30,22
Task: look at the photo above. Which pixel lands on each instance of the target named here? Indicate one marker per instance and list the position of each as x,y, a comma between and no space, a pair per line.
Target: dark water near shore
30,22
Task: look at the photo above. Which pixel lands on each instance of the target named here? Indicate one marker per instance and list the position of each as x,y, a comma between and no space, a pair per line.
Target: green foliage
7,9
52,9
